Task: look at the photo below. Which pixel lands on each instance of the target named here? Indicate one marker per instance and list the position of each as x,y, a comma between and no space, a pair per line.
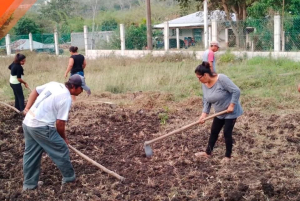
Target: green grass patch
260,79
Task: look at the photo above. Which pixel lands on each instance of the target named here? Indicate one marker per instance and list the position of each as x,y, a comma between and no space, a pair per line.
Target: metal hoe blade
148,150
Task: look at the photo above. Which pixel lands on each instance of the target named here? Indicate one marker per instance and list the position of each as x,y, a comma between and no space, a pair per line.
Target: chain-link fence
39,43
291,33
258,34
249,35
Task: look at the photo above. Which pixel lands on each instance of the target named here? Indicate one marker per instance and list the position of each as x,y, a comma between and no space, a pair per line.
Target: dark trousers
19,96
215,130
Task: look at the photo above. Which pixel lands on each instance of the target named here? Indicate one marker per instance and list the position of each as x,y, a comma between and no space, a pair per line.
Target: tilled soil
265,163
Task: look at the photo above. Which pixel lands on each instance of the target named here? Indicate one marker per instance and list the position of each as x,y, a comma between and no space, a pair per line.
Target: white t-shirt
53,103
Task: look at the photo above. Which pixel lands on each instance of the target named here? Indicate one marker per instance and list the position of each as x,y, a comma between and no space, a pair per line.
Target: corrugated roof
195,19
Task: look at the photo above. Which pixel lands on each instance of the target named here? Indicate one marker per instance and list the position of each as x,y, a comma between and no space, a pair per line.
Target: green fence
248,35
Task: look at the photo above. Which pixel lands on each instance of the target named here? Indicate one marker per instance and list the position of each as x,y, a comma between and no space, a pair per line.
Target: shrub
227,57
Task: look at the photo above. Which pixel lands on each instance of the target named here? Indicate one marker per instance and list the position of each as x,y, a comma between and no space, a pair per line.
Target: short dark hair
19,57
204,68
70,85
73,49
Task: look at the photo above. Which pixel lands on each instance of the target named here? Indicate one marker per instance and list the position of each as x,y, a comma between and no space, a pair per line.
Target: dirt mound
264,165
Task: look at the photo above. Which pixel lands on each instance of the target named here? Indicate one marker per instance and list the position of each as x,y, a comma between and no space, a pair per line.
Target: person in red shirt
209,55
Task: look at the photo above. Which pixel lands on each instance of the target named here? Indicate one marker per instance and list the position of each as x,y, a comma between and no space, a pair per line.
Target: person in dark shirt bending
16,79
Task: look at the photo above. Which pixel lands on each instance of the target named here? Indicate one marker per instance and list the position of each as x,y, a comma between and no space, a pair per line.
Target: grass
266,84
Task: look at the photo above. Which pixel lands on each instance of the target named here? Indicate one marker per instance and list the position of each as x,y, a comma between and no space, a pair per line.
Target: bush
136,37
2,51
227,57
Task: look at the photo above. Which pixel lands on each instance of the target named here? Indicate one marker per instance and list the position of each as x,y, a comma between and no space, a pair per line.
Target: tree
264,8
109,25
25,26
238,7
136,37
60,12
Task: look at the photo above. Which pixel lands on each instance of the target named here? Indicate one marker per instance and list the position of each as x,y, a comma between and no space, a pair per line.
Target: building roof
195,19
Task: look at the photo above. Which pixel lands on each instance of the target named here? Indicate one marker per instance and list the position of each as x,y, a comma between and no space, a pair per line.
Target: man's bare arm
60,126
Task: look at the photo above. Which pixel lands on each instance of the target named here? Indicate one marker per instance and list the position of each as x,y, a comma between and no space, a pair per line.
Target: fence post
205,12
30,42
85,36
7,41
283,41
56,43
166,35
177,38
226,38
214,31
122,36
277,33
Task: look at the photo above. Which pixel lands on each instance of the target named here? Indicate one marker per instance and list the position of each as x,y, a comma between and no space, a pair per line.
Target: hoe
148,150
80,154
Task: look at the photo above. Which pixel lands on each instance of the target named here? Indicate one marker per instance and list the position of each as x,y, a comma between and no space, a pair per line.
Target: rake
148,150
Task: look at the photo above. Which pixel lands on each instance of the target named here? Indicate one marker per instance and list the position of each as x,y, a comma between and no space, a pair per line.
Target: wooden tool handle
96,164
184,128
15,109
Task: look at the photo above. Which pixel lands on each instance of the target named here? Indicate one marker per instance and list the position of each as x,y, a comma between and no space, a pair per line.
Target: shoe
202,154
40,183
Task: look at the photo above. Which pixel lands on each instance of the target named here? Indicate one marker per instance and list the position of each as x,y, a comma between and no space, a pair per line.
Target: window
174,32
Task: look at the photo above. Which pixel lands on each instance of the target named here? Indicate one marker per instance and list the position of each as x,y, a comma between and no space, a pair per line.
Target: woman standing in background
16,79
76,65
77,62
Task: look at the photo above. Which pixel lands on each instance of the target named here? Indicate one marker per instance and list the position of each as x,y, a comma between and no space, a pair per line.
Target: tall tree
263,8
25,26
59,11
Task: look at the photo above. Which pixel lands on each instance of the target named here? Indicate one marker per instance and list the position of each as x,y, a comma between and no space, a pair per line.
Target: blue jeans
79,73
38,140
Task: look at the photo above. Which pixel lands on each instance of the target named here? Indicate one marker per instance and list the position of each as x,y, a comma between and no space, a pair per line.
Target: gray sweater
220,95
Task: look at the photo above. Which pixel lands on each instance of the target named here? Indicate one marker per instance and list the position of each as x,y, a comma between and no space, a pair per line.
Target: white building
192,25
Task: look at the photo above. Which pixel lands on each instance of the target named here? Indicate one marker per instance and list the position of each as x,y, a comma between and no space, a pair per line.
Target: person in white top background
46,111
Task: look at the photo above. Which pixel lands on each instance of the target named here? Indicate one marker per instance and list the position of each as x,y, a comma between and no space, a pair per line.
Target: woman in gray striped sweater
221,93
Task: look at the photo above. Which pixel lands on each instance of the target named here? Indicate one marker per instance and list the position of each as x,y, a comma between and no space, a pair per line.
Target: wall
77,39
94,54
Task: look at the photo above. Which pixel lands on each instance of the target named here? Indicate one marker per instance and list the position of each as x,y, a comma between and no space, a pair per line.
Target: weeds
227,57
164,116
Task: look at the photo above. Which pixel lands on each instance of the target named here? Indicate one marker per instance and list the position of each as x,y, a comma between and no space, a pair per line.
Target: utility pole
149,27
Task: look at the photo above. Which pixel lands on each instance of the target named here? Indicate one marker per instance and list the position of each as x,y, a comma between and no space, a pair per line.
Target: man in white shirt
46,111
